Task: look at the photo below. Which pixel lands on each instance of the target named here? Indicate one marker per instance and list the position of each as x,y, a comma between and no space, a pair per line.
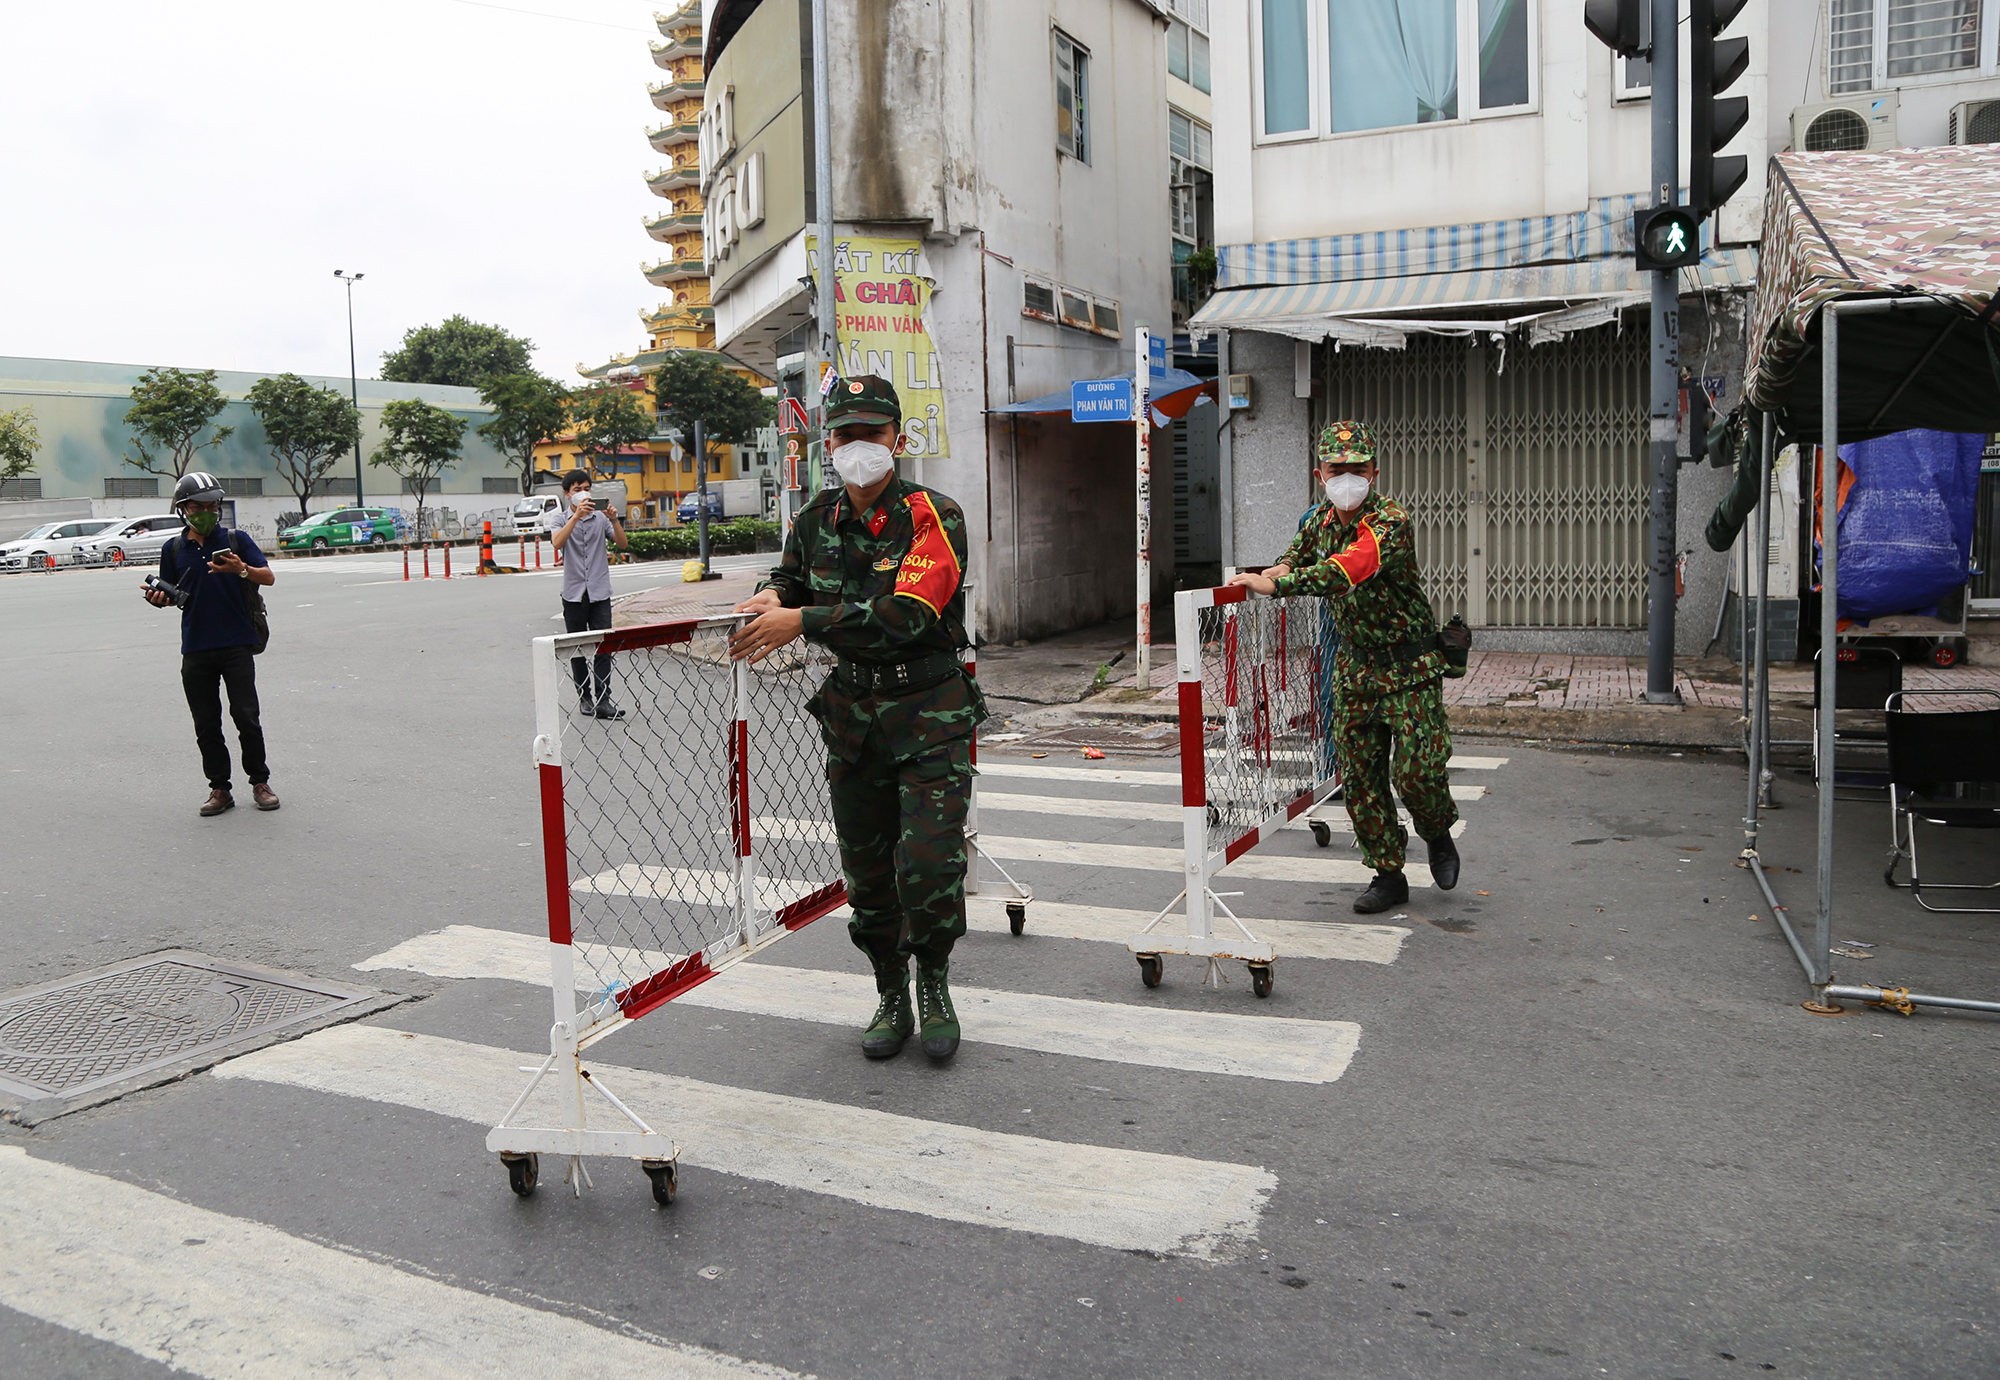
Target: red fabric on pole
1194,762
739,788
555,854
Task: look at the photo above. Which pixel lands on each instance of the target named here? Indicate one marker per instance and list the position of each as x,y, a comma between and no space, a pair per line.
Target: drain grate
1152,737
71,1038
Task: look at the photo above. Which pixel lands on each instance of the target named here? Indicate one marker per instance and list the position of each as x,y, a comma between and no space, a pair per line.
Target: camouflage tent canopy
1919,226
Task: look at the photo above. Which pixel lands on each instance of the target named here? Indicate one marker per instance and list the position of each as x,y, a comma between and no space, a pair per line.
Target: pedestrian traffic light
1665,237
1619,25
1714,64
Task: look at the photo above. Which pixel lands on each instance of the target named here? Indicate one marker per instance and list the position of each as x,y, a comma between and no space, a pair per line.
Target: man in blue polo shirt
214,568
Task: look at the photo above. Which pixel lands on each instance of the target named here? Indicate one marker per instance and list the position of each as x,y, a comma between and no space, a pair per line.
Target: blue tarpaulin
1905,521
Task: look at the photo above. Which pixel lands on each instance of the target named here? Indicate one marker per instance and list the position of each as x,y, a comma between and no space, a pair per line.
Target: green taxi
342,527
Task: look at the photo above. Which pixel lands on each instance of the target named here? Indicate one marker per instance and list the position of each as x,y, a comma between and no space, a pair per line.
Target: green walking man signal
1665,237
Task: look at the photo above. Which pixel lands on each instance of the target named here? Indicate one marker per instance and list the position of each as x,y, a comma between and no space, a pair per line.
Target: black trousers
203,674
589,615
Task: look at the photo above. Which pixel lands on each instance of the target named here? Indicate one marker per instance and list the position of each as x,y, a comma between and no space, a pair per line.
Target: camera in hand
155,585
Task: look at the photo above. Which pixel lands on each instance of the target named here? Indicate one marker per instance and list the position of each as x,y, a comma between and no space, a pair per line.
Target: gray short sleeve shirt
586,559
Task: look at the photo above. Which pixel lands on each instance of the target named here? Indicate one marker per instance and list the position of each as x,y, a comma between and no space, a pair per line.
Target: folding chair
1868,676
1944,769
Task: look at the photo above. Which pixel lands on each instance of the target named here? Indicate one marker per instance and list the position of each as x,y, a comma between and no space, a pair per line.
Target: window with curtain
1287,54
1397,62
1873,40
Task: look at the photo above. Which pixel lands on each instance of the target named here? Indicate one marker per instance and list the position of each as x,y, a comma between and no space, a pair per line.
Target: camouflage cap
1347,443
869,399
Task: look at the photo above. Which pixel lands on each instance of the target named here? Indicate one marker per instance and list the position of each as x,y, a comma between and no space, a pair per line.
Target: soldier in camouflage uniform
872,571
1357,552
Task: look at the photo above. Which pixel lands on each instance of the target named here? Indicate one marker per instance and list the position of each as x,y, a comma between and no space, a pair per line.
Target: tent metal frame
1814,952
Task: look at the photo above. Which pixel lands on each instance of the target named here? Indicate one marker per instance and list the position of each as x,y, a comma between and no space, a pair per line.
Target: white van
542,513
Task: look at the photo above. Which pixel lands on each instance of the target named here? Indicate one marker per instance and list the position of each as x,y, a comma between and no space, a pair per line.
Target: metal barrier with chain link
680,838
1256,680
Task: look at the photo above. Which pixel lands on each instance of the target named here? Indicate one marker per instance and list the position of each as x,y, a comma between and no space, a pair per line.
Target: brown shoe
263,797
217,802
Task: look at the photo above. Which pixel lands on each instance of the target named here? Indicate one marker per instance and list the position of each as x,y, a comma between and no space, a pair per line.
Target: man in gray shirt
586,587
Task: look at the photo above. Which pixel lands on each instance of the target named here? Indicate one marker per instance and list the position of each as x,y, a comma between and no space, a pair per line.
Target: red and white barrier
1253,678
677,841
1017,908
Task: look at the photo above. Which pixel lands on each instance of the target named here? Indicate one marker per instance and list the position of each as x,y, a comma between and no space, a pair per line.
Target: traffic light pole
1665,408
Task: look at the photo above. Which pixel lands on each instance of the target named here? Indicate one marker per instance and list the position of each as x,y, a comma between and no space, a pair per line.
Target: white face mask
861,463
1347,491
579,495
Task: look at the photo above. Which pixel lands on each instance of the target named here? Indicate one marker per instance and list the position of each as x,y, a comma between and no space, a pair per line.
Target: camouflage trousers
901,827
1402,738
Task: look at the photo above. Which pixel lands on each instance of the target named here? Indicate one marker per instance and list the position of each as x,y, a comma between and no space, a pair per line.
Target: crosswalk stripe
1317,939
1129,776
214,1295
1285,1049
1256,866
1113,807
1123,1199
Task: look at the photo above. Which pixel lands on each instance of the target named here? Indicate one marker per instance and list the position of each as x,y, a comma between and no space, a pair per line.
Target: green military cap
1347,443
869,399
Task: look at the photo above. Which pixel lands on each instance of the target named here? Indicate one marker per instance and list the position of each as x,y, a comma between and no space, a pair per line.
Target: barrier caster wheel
1150,969
1017,916
1214,818
665,1175
1944,654
1321,834
523,1172
1260,979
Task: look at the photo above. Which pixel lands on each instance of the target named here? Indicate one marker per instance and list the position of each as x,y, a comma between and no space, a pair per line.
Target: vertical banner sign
1142,429
794,427
882,291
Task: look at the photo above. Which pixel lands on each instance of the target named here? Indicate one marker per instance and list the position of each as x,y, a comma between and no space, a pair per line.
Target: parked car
57,539
136,539
342,527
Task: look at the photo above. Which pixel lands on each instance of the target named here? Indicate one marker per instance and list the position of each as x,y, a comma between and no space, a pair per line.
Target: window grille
1873,40
333,488
20,488
243,488
131,488
503,484
1038,300
1072,97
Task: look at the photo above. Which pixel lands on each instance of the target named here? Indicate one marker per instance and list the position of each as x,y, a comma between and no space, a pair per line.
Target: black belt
868,679
1397,655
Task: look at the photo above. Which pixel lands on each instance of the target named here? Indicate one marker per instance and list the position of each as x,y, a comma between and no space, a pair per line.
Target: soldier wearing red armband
873,571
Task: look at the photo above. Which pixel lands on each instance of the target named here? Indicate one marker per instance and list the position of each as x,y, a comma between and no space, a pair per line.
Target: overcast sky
181,179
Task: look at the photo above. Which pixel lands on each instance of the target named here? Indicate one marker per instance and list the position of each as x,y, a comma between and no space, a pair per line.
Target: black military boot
1388,889
892,1024
940,1021
1444,861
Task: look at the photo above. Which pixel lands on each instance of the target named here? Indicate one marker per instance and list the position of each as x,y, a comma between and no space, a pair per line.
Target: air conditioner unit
1104,318
1858,122
1038,300
1974,122
1074,309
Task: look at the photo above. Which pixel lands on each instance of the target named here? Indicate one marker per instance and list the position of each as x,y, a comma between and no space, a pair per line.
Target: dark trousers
203,674
901,827
589,615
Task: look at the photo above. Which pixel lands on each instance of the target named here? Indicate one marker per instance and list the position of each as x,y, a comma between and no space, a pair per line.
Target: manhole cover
71,1038
1140,738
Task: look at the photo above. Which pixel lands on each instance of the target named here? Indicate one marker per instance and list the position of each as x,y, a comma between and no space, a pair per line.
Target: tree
459,352
527,408
19,440
609,419
170,410
419,442
692,386
309,428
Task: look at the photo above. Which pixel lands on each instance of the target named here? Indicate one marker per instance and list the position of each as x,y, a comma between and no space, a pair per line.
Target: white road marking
1126,776
1123,1199
1327,939
214,1295
1285,1049
1258,866
693,885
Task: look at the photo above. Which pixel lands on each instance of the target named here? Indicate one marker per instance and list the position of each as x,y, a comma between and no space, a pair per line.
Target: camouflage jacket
1366,570
881,588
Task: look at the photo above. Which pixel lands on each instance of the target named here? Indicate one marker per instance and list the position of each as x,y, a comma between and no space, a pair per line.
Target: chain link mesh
658,804
1267,699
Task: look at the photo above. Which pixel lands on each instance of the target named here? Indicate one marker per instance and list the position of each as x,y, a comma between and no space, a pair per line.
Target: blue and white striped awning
1602,230
1590,280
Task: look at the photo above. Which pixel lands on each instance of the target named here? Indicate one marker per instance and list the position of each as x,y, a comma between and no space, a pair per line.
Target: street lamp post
353,375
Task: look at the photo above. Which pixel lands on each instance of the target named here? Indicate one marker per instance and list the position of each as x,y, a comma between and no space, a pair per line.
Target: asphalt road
1568,1120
